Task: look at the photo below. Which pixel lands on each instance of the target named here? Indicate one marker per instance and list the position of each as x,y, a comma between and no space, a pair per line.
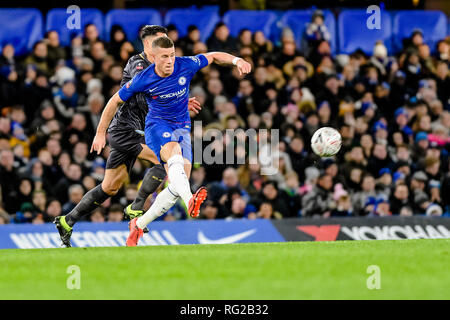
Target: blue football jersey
168,97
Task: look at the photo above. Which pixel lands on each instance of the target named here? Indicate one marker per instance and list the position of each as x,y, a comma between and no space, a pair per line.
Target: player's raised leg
171,153
178,169
179,180
163,202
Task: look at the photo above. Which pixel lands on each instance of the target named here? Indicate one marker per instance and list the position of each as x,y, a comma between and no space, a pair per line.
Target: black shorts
125,147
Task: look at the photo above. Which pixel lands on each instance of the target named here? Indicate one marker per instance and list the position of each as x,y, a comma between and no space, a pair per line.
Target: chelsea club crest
182,81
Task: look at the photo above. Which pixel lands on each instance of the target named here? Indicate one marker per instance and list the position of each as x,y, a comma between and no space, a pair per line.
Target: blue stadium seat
432,23
131,20
354,33
212,7
277,28
20,27
262,20
296,20
57,20
204,19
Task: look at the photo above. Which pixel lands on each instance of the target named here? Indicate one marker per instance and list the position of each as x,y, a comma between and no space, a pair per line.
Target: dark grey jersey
131,115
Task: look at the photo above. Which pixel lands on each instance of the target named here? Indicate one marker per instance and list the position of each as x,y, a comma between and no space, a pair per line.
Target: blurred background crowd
393,112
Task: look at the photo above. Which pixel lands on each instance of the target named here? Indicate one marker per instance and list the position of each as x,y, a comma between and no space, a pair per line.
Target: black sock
152,179
91,200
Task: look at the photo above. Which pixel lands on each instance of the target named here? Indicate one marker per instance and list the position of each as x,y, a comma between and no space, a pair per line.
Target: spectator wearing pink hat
343,203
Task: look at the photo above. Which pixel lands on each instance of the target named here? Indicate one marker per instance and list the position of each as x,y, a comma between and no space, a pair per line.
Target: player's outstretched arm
108,113
228,59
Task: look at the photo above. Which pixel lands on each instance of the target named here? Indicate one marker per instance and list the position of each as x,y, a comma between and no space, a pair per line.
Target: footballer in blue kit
124,126
167,97
165,85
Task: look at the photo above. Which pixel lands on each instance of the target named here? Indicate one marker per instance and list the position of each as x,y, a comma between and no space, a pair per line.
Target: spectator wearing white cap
380,57
434,210
94,85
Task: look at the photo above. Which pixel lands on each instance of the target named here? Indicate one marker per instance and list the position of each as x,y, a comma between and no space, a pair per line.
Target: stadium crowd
393,112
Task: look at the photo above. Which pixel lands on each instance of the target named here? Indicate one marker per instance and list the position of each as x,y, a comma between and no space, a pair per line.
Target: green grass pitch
409,269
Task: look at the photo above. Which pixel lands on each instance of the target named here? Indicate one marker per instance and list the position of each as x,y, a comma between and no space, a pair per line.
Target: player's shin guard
163,202
152,180
178,178
91,200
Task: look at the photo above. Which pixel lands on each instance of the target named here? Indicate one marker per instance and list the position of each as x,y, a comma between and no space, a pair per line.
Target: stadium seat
204,19
131,20
354,33
296,20
57,20
432,23
212,7
277,28
236,20
20,27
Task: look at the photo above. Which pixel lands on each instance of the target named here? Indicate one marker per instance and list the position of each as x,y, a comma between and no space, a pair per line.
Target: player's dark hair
162,42
152,30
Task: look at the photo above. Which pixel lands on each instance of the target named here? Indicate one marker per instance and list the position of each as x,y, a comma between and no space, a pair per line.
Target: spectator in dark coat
221,40
399,199
21,195
278,198
187,43
73,176
318,201
56,52
9,177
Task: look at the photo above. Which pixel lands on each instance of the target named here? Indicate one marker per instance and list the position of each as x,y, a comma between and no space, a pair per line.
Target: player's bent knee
113,180
111,189
170,149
